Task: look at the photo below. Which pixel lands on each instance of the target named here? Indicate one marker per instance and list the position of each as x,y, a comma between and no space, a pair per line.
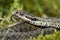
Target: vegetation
40,8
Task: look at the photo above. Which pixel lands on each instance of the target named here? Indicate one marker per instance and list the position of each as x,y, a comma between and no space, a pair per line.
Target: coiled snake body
29,26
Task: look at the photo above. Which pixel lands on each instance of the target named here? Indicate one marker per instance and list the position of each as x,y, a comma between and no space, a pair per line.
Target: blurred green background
42,8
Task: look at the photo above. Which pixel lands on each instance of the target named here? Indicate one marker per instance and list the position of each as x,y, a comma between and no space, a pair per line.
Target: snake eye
21,13
17,12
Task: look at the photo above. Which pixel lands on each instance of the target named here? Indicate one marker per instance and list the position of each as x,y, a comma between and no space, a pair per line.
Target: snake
29,25
38,21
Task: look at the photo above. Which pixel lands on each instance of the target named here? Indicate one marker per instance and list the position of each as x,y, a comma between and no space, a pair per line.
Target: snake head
27,15
21,14
24,15
16,15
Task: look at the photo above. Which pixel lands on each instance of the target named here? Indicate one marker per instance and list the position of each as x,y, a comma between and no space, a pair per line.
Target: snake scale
29,25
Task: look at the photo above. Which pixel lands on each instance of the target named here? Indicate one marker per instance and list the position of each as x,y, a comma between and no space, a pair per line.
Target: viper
29,25
38,21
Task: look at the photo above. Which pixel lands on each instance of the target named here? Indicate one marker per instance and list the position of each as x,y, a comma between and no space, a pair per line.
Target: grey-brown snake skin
29,26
